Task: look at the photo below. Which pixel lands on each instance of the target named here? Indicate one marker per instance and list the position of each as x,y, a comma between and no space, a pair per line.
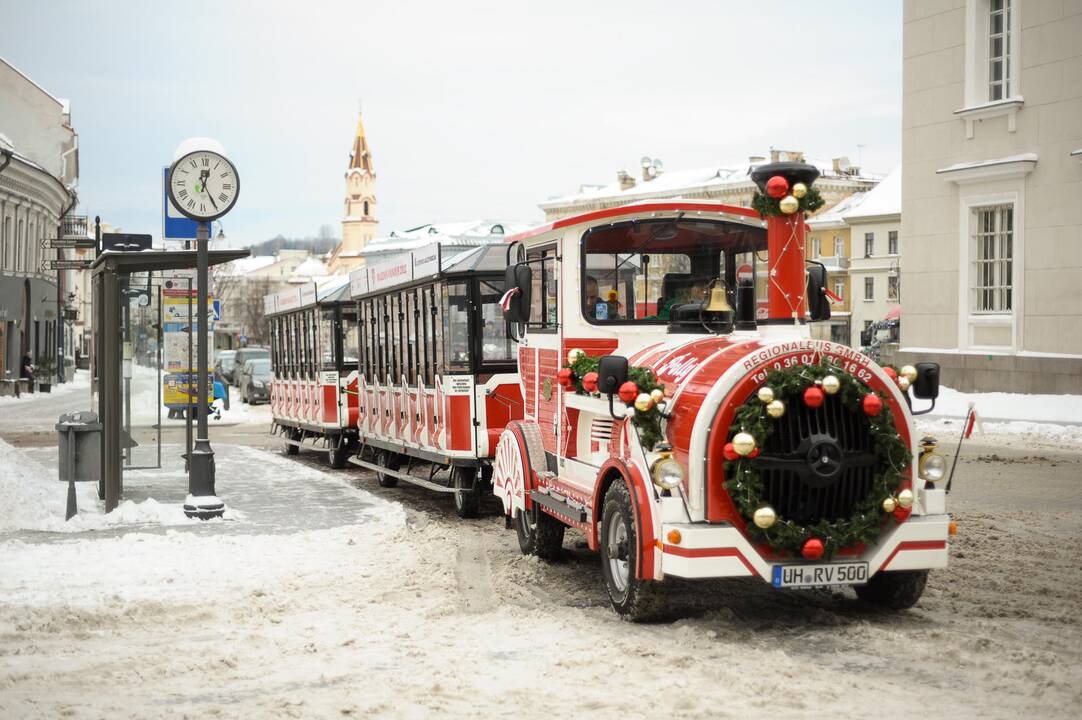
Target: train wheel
634,599
391,461
292,449
467,493
897,590
338,455
539,534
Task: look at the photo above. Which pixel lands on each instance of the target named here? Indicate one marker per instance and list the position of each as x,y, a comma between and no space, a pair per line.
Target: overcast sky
472,109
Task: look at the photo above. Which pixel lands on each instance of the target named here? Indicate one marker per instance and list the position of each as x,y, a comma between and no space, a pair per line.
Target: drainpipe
60,292
6,155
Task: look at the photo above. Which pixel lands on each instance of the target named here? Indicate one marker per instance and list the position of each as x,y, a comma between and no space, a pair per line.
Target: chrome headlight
667,473
932,466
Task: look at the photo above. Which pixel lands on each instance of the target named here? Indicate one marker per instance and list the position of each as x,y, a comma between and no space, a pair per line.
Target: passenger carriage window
496,347
456,325
383,323
544,312
639,271
327,336
436,311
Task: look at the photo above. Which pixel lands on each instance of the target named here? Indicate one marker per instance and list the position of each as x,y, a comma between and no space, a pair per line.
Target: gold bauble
743,443
831,384
800,190
903,383
775,408
889,504
789,205
765,517
908,372
766,395
905,499
657,395
573,355
644,402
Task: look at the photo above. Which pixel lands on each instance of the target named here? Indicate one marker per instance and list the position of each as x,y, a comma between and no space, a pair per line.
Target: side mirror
517,309
926,386
611,374
818,303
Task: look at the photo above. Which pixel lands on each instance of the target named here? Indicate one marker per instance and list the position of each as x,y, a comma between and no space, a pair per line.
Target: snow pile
81,382
1009,407
33,497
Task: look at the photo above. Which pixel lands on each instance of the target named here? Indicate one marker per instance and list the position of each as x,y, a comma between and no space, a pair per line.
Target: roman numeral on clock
223,197
191,204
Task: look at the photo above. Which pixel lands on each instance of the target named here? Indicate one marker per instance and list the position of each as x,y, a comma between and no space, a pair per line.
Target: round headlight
667,473
932,466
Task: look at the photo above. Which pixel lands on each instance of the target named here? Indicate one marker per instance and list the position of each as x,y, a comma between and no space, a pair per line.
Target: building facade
359,226
38,171
827,241
875,266
992,172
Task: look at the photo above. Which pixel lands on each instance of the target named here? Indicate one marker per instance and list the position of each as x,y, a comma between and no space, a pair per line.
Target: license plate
793,576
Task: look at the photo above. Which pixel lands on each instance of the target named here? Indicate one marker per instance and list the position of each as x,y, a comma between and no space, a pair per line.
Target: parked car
223,365
255,381
244,355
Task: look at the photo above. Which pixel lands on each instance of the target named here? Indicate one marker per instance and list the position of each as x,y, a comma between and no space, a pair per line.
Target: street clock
203,185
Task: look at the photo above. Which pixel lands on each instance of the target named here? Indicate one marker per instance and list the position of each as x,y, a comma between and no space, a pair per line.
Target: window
892,242
869,244
327,335
869,288
640,271
496,347
814,249
839,246
366,208
892,288
544,310
839,287
992,253
456,325
999,49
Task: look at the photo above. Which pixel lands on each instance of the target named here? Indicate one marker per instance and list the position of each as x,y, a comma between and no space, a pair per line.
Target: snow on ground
1055,419
80,383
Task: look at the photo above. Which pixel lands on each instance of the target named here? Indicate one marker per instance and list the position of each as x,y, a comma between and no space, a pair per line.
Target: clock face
203,185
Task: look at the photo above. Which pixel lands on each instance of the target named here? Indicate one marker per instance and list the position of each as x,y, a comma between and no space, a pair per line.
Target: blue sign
175,226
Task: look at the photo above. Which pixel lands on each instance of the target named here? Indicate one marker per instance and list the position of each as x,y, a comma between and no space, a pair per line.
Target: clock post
203,185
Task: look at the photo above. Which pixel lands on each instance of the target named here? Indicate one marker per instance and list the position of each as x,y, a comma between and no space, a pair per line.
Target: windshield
261,368
637,272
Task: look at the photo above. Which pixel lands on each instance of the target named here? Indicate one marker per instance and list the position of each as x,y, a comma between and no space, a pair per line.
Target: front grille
785,490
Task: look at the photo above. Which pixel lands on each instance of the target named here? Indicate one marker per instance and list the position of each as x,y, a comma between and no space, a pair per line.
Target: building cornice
1013,166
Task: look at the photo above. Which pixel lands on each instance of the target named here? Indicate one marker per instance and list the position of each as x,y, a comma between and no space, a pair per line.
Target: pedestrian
26,372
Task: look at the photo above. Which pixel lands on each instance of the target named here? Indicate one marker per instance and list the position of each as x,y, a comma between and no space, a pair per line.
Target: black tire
539,534
894,590
391,461
467,491
292,449
633,599
338,454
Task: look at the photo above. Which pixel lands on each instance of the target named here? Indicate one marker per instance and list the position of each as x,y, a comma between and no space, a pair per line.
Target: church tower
359,225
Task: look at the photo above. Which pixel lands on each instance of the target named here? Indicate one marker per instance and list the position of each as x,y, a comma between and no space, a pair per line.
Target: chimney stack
625,180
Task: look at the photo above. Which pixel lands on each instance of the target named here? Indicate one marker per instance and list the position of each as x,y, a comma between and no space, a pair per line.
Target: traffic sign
126,241
68,243
69,264
175,226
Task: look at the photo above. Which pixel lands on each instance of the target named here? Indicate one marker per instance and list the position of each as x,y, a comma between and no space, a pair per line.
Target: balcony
74,226
834,263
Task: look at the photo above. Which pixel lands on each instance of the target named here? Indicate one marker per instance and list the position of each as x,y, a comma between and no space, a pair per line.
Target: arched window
366,208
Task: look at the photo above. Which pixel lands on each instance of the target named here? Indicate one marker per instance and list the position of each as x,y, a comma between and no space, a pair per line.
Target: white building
467,234
39,168
875,269
992,175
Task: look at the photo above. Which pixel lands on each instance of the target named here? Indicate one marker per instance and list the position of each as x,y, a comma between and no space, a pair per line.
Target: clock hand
203,176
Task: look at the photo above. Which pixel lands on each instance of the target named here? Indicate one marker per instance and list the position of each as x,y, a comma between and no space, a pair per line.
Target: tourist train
653,384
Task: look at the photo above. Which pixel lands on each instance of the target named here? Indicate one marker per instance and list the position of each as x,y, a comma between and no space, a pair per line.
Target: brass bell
718,301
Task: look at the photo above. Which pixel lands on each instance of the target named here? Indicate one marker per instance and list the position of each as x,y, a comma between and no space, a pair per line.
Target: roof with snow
834,216
670,183
248,265
471,233
310,268
883,200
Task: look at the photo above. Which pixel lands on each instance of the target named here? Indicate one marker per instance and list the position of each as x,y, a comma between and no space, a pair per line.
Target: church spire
360,158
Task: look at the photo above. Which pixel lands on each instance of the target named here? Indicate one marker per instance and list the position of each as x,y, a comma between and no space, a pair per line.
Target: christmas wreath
754,422
642,393
781,199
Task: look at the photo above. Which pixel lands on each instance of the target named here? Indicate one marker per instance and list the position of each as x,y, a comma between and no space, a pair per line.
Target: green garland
745,485
648,423
767,206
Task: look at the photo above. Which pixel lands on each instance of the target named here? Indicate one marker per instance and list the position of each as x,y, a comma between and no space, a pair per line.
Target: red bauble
754,453
889,372
814,396
729,453
628,392
566,377
589,382
813,549
872,405
777,187
901,514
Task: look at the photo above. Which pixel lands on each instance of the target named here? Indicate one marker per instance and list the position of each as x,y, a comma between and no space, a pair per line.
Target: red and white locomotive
686,438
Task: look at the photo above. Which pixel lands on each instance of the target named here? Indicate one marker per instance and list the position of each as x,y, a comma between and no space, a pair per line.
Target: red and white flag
505,301
973,421
834,299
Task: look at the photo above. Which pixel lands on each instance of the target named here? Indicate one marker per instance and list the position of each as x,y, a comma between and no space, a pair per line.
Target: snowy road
331,597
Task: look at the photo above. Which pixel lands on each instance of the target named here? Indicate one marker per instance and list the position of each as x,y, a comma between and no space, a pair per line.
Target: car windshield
260,368
636,272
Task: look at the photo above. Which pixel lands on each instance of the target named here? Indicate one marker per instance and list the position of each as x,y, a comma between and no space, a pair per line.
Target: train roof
425,264
327,291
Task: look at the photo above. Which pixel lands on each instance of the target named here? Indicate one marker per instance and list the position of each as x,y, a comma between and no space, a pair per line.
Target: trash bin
80,447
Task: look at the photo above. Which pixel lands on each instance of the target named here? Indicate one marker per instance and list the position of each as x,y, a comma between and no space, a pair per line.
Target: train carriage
686,438
313,390
437,377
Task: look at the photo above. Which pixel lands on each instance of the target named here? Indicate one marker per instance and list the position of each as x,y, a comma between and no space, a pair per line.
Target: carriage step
401,475
561,505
